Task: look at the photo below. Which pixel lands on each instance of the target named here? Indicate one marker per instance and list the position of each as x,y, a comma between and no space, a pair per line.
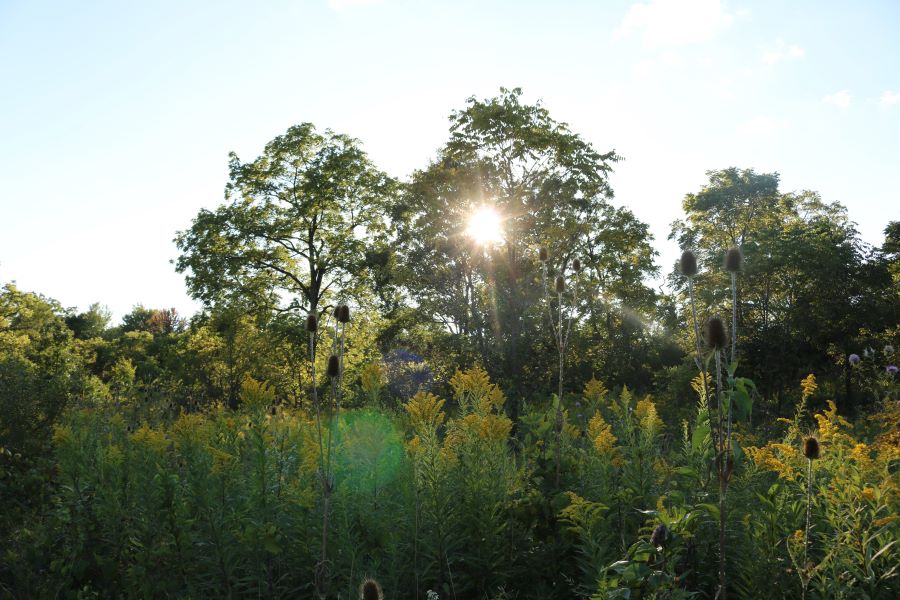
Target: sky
116,118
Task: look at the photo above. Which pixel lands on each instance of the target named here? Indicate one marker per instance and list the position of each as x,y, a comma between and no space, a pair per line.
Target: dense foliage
482,421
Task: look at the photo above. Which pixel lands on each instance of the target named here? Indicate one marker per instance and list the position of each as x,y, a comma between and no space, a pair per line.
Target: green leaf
742,403
700,437
710,509
884,549
732,368
619,566
686,471
271,545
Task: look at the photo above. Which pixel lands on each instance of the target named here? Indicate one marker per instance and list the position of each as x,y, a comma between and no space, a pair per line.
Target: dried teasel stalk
688,263
715,335
370,590
811,449
734,260
334,366
560,284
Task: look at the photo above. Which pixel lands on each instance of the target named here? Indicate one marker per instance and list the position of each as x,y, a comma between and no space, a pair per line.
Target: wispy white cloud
840,99
889,98
670,23
782,52
762,126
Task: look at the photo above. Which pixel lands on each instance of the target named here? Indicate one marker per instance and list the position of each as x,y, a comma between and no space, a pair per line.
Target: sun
485,226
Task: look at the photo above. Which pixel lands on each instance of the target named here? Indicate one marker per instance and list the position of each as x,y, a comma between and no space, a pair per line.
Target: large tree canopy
799,251
550,187
295,225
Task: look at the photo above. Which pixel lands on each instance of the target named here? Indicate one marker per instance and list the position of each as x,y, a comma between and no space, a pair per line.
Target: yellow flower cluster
830,422
474,391
623,405
494,427
415,444
595,392
425,411
371,378
188,427
861,454
809,386
885,520
887,444
645,411
486,427
859,472
151,439
600,432
255,394
767,458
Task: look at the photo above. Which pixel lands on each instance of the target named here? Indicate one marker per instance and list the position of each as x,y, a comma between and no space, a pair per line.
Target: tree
39,367
294,227
551,188
797,249
91,323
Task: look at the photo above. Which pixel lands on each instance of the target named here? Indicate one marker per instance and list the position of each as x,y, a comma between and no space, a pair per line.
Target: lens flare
485,226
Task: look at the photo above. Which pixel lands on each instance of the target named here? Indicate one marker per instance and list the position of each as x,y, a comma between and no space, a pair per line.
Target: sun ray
485,226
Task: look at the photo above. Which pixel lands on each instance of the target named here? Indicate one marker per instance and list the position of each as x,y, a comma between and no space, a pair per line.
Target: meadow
382,385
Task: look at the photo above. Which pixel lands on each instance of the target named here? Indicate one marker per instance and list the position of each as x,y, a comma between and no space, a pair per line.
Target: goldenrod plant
845,525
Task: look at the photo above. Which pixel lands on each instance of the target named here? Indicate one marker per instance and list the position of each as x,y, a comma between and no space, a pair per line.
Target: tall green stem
321,568
559,407
733,317
804,578
722,469
702,366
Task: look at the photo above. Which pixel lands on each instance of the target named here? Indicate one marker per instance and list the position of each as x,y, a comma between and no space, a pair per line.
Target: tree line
312,223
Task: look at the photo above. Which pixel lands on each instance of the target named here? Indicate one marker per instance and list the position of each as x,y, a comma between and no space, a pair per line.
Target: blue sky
116,117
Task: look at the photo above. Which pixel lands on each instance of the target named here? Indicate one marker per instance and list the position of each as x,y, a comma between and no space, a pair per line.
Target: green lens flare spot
369,453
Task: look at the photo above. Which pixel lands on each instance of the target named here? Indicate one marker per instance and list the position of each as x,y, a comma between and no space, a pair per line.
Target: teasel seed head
715,333
688,263
660,536
734,260
334,366
344,316
370,590
811,449
560,284
576,265
542,254
312,323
